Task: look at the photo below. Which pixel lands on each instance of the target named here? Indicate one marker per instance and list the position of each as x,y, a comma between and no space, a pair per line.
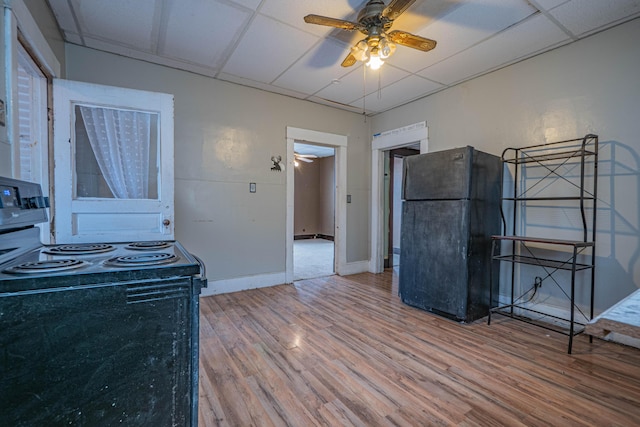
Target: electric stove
94,333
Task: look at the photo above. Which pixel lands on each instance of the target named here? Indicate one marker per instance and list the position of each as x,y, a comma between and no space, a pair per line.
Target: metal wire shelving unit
549,253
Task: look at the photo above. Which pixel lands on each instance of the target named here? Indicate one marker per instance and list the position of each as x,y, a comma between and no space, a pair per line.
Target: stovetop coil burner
148,246
142,260
79,249
50,266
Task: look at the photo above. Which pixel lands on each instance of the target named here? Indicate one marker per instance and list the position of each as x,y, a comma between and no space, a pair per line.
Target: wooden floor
345,351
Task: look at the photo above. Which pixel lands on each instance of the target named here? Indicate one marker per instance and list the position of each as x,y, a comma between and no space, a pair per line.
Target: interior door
113,164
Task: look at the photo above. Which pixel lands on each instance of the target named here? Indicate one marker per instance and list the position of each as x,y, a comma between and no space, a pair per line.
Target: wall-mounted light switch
348,198
252,187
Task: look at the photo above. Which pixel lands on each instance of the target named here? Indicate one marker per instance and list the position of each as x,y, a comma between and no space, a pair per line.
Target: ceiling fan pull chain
364,93
379,84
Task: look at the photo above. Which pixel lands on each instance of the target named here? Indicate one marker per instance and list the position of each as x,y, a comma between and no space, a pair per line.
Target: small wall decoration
277,164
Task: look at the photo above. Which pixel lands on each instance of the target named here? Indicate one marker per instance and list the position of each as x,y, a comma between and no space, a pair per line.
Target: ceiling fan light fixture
361,51
375,20
375,62
386,48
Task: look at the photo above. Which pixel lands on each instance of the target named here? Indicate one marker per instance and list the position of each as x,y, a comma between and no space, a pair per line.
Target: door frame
396,138
339,143
396,153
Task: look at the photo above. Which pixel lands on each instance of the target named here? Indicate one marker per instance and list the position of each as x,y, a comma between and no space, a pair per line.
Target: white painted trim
418,132
339,142
225,286
549,309
318,137
354,268
38,44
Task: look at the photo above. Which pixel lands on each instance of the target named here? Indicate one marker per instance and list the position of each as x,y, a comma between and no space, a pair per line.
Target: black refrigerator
450,210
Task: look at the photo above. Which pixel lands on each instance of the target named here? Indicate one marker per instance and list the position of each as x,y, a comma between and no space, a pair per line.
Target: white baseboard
551,310
354,268
236,284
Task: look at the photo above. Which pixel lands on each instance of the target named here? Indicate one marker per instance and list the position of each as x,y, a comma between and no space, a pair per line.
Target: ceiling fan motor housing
371,18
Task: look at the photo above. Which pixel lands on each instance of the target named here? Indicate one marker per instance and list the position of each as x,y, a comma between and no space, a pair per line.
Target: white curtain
120,141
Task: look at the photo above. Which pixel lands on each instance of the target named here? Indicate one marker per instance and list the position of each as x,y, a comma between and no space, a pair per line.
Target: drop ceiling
266,44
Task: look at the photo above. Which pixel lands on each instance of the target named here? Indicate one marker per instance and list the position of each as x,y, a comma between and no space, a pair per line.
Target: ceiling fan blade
331,22
349,60
396,7
308,156
303,159
411,40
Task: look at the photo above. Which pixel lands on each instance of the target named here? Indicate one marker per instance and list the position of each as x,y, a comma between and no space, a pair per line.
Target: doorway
339,144
394,161
314,211
411,135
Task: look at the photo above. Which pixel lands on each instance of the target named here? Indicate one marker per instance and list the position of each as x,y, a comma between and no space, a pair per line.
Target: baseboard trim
313,236
237,284
354,268
551,310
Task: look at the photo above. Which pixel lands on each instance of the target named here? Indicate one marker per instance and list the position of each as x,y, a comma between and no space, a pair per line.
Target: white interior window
116,153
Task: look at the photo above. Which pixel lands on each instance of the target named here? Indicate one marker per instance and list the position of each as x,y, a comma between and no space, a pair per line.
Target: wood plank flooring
345,351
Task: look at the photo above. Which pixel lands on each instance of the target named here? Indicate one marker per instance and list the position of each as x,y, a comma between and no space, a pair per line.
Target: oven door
116,354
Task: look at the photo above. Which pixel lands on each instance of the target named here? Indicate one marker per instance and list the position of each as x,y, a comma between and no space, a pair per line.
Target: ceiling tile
125,22
330,103
64,15
522,40
259,85
470,23
350,87
267,49
189,23
314,150
251,4
548,4
413,87
293,12
267,45
585,16
316,69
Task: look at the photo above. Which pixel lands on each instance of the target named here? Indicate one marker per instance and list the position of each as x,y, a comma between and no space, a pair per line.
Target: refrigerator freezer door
434,256
442,175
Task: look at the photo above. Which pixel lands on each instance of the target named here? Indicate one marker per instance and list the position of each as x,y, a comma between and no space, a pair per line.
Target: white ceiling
314,150
266,44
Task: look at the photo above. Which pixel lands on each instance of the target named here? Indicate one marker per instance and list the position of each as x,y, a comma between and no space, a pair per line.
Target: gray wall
225,135
591,86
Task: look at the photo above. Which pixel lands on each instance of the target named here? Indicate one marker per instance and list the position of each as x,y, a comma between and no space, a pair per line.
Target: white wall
591,86
225,135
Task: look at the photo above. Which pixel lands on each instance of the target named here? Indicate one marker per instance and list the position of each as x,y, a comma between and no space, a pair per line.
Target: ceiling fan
307,158
375,20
